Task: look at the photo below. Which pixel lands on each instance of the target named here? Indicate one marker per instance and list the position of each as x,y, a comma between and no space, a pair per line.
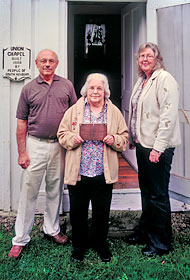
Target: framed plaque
17,63
93,131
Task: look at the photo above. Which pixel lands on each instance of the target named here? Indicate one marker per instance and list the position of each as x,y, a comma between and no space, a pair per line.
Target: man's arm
23,158
73,97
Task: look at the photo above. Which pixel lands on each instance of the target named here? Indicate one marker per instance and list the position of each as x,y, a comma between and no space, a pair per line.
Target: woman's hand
154,156
78,140
109,139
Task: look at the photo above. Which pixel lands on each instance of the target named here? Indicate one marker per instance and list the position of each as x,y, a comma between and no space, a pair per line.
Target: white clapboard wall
39,24
36,24
174,41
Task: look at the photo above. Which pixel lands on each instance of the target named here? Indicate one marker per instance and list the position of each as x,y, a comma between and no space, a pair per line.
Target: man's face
46,63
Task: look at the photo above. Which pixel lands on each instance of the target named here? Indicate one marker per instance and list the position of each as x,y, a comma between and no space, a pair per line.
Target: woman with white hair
92,131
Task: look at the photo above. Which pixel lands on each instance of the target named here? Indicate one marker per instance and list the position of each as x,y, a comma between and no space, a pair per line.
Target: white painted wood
49,30
63,42
52,23
20,35
45,20
174,40
42,24
36,24
186,144
122,1
151,17
186,87
171,44
5,194
133,34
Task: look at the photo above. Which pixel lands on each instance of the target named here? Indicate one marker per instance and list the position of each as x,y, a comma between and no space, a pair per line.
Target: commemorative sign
17,63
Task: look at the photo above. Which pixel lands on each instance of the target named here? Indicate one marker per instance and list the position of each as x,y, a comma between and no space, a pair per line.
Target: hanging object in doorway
95,35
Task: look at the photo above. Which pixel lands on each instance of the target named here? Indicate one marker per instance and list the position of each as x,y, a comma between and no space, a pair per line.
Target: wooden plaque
93,131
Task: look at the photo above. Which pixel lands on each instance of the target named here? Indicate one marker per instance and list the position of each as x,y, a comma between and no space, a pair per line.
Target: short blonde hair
159,60
100,77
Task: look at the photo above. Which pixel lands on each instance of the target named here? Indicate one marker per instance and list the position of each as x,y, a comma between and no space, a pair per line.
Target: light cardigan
157,113
69,128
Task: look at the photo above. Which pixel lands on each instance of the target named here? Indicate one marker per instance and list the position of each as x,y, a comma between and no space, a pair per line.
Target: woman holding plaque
92,131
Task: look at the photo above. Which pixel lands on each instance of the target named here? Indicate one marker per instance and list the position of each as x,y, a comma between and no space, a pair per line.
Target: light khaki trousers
48,159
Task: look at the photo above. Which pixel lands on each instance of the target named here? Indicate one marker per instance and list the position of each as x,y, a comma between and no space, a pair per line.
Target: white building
60,25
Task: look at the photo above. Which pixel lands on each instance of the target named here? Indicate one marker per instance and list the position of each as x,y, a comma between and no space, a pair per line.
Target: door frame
86,9
151,15
135,14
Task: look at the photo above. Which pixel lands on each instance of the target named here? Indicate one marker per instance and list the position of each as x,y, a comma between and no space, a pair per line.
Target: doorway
105,58
125,25
96,57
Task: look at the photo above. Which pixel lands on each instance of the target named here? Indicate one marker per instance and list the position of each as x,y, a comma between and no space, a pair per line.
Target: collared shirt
134,103
43,105
92,151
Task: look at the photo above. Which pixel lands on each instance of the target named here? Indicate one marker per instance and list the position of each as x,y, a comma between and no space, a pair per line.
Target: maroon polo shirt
43,105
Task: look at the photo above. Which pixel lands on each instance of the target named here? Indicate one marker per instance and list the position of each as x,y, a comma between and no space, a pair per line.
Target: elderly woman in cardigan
92,131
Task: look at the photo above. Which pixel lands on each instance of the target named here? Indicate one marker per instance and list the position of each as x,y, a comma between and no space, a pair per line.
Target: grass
42,259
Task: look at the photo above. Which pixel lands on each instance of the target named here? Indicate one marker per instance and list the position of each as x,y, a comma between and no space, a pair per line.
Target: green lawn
42,259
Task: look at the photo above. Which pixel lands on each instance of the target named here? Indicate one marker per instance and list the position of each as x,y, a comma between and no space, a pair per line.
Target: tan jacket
69,127
157,113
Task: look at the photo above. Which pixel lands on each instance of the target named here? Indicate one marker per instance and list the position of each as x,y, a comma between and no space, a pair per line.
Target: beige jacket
157,113
69,127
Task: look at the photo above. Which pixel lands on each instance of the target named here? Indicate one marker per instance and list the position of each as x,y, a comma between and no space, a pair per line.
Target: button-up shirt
92,150
134,102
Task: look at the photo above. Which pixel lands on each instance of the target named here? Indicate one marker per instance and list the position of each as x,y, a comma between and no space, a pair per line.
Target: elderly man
41,107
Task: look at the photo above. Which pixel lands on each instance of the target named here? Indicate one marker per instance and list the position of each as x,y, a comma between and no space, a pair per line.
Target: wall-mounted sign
17,63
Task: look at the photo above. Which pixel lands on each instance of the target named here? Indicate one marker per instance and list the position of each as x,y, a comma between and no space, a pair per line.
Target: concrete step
129,199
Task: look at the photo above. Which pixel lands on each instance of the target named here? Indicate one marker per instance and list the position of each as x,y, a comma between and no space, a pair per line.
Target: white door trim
151,16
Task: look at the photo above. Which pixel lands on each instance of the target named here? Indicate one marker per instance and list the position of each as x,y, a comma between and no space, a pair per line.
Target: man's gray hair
47,50
97,76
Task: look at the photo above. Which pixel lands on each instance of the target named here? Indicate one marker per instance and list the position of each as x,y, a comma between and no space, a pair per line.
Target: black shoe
135,239
104,254
150,251
78,254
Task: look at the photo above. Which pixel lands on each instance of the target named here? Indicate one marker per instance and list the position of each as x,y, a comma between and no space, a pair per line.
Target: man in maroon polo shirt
41,106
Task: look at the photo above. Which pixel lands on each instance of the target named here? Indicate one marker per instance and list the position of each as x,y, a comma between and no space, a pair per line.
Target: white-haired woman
154,131
91,165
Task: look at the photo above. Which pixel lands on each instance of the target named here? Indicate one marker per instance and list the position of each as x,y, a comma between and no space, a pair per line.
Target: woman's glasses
147,57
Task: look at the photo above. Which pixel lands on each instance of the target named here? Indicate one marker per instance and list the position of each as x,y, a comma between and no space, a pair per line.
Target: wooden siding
174,41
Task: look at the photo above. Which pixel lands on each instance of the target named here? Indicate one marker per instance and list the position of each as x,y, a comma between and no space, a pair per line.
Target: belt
44,140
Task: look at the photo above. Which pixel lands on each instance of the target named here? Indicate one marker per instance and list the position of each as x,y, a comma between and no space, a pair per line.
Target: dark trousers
99,193
155,221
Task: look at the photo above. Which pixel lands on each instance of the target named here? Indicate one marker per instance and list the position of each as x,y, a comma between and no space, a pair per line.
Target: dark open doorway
105,59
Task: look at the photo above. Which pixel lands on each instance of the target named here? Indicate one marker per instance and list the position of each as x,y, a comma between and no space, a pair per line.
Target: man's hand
23,160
